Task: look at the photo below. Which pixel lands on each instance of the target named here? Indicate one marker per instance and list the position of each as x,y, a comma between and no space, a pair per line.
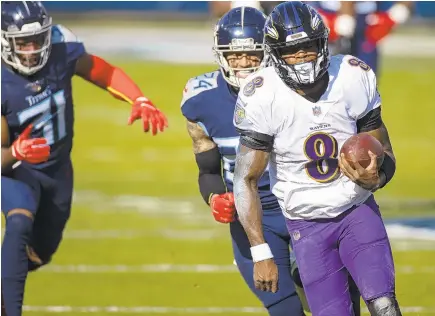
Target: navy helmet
292,26
25,35
239,30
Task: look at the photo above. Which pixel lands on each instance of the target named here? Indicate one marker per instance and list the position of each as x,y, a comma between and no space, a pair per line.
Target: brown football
356,148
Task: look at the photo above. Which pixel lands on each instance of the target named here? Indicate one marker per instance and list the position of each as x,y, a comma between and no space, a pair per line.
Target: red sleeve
113,79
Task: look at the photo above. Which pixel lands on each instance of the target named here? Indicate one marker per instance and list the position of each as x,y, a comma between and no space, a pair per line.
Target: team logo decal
315,19
296,235
271,31
255,83
317,110
34,86
239,114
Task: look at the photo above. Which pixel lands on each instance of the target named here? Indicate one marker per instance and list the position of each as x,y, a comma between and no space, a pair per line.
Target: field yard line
181,268
178,310
167,233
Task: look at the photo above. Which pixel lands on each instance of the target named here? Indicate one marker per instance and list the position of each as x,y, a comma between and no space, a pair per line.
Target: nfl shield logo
34,86
317,110
296,235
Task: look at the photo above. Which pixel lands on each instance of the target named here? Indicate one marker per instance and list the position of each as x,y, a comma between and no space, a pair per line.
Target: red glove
223,207
145,109
329,19
32,150
380,24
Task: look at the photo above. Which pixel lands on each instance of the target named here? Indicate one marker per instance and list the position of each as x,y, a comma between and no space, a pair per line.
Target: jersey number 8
322,150
359,63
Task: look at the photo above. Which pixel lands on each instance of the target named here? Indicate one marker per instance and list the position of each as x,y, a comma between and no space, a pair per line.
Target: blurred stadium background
141,240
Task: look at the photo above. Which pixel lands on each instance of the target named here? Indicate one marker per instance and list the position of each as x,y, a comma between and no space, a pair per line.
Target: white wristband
399,13
345,25
261,252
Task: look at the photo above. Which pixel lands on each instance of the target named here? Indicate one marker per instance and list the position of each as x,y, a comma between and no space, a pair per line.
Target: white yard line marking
182,268
177,310
214,231
143,309
178,234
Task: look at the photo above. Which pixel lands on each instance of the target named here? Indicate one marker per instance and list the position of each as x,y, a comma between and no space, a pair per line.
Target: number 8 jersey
45,98
307,136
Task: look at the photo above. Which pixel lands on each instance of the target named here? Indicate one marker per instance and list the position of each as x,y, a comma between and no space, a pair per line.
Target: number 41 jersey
45,98
307,137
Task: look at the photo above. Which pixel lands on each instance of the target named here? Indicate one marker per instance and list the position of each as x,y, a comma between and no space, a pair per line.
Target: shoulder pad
196,85
361,84
61,34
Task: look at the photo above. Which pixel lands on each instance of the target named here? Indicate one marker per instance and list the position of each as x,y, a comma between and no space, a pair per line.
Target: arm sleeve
370,121
210,179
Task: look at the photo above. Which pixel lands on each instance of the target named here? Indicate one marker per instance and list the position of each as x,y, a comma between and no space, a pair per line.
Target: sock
14,262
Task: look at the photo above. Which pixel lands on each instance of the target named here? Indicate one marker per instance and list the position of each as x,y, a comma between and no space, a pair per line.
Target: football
357,147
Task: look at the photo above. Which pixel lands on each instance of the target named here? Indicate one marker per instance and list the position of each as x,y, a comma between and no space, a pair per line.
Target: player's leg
53,214
322,273
298,283
354,292
355,296
285,301
19,204
366,252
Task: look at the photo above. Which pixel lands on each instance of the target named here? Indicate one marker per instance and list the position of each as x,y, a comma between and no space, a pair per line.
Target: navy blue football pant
48,196
285,301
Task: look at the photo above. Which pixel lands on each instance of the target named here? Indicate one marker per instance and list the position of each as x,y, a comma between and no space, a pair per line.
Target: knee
19,222
384,306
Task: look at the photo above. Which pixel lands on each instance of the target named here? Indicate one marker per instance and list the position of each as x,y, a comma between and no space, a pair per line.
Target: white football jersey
307,136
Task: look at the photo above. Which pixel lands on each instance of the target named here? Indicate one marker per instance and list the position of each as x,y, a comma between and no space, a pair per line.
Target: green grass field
139,229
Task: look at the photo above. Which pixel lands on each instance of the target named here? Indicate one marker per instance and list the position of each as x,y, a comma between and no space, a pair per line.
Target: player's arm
113,79
346,21
341,23
253,120
250,165
367,112
251,161
208,159
380,24
7,158
372,124
211,183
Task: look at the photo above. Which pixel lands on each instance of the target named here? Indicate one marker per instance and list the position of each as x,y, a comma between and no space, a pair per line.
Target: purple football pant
326,249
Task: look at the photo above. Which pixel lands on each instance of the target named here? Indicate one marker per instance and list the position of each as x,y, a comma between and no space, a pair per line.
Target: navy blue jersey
209,101
45,98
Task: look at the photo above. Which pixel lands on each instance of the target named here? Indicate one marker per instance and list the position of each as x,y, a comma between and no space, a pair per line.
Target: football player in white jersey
296,115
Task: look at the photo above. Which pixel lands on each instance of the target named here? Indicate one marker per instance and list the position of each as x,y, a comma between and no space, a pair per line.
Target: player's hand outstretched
266,275
223,207
151,116
367,178
31,150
